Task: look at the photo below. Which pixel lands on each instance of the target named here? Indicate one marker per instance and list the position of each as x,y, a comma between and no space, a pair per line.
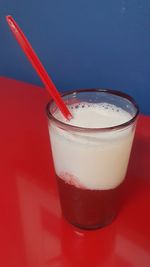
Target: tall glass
91,163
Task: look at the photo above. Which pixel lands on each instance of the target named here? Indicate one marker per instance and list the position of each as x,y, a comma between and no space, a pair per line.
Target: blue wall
82,43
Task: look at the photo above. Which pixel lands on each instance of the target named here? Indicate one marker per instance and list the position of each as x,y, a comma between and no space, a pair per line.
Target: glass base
92,226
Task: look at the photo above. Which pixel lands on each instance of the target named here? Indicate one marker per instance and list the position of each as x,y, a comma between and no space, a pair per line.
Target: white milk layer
92,160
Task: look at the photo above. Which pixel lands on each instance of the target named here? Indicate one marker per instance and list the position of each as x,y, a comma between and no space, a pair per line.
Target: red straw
36,63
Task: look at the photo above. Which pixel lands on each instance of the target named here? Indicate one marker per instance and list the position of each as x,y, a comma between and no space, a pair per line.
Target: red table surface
32,231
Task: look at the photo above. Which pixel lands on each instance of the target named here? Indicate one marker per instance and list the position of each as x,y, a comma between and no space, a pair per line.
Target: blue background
82,44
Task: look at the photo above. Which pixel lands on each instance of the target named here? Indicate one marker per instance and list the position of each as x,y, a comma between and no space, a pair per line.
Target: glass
91,163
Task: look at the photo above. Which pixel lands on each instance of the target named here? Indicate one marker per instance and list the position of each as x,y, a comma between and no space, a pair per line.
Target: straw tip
69,117
8,17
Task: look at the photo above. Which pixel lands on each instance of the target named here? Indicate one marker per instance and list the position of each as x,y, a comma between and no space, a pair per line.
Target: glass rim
100,129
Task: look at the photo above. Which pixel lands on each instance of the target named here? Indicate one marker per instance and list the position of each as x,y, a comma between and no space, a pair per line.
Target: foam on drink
92,160
95,115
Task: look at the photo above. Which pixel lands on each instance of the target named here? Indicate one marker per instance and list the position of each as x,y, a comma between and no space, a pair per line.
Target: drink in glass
91,153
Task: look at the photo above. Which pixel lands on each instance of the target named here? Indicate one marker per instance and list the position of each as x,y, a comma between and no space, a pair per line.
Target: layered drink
91,154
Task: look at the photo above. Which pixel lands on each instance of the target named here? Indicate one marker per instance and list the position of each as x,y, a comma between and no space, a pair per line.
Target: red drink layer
86,208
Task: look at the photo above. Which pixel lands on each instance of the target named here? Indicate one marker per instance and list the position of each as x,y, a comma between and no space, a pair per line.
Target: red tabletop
32,231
